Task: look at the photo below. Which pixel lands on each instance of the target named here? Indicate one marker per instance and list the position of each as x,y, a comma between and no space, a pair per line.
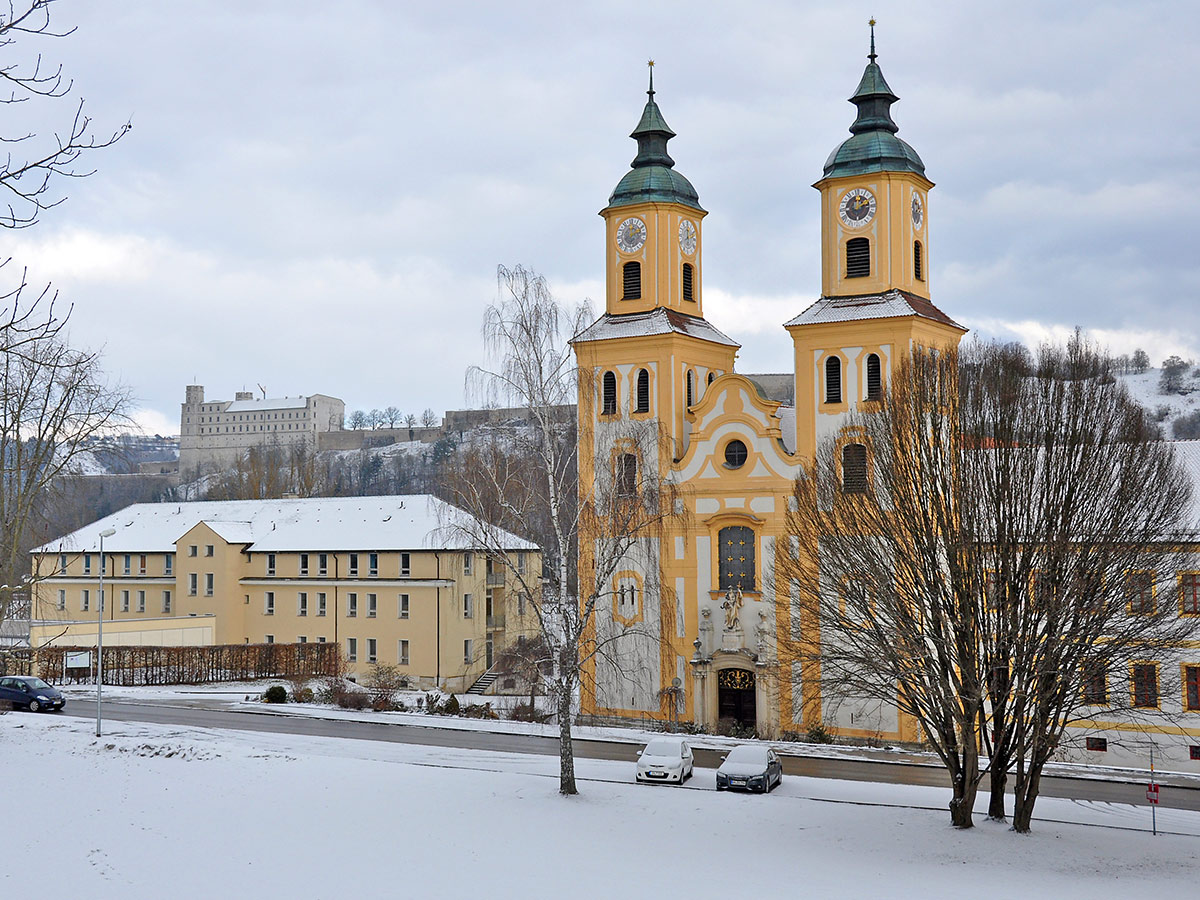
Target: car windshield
748,755
36,683
663,748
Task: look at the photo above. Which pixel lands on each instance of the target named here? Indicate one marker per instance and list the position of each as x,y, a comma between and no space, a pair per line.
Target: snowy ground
154,811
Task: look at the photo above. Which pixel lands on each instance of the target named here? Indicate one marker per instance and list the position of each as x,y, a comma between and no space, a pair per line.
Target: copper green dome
652,177
873,145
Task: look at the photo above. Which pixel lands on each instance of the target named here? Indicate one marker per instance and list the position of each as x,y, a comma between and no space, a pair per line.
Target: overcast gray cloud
315,196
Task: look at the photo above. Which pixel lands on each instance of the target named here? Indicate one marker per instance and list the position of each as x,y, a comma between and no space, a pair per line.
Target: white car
666,759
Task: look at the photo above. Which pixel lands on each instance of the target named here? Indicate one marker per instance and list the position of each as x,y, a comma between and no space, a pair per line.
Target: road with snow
1091,789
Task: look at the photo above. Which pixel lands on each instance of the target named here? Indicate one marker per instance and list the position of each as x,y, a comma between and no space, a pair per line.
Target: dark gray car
33,694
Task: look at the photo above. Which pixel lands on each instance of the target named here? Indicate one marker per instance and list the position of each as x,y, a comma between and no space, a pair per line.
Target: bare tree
375,419
27,179
392,416
429,419
965,550
357,420
410,422
524,481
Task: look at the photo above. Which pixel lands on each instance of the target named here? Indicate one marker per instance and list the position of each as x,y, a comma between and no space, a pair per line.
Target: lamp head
108,532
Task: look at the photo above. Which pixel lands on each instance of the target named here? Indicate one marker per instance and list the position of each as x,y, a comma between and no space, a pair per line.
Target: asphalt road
1174,796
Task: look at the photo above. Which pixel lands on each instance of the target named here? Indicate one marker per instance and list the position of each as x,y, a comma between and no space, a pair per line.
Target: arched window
691,387
833,380
874,377
735,548
688,281
643,392
858,258
608,394
626,475
918,270
854,469
631,274
711,376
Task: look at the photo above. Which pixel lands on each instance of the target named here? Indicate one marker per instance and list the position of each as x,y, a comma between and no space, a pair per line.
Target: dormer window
631,281
858,258
833,380
688,283
608,394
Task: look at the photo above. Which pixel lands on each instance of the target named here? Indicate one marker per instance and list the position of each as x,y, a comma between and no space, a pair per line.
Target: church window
711,376
874,377
688,280
631,274
628,601
917,268
736,549
608,394
643,392
854,469
833,380
626,475
858,258
735,454
691,387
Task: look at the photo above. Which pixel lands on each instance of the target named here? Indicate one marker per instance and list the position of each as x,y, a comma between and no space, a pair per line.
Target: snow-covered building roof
408,522
267,403
888,305
656,321
1187,453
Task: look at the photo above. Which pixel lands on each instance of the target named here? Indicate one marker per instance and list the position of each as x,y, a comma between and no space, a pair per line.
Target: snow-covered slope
1164,408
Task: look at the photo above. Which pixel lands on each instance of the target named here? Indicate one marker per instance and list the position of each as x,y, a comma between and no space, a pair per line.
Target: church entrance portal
735,696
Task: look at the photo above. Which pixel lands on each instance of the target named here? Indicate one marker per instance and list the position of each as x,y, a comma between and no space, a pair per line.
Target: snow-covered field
154,811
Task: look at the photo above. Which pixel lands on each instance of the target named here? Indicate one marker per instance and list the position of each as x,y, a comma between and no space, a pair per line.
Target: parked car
750,768
665,759
33,694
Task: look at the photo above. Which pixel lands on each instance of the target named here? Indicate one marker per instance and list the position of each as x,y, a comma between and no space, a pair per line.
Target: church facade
704,592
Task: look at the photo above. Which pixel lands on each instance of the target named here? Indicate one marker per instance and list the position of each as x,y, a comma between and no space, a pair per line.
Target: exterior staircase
484,682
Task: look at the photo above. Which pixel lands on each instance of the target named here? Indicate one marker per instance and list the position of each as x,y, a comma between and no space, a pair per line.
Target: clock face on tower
687,237
631,235
918,211
857,208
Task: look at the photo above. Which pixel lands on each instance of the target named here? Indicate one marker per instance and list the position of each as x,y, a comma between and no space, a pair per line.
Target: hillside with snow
1165,408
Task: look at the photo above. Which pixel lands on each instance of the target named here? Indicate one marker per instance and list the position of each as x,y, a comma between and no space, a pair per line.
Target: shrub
818,735
276,693
524,712
1161,412
478,711
450,707
1186,428
793,737
353,700
302,695
383,681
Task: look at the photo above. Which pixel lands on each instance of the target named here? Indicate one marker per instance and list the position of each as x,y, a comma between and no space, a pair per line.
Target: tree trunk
965,782
1026,796
999,776
566,753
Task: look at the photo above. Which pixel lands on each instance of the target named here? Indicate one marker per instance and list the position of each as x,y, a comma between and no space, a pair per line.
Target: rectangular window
352,605
126,563
1095,684
269,609
168,563
192,550
468,607
1139,590
467,651
84,600
372,655
1145,685
1098,744
521,600
62,599
208,549
321,604
303,639
403,654
321,640
372,606
353,567
302,604
303,563
1189,593
124,601
736,544
141,601
352,649
166,601
270,563
468,560
87,564
193,583
141,563
405,564
62,563
404,606
373,564
208,584
322,563
489,603
521,562
1191,685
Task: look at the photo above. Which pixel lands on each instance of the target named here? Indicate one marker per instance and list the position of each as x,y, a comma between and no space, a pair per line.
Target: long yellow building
387,578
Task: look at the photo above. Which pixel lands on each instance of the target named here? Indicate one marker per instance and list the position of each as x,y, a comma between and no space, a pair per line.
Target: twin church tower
699,604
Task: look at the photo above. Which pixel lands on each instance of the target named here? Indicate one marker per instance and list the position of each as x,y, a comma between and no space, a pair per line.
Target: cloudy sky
315,196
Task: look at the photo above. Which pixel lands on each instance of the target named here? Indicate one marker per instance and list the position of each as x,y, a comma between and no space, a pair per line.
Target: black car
750,767
27,692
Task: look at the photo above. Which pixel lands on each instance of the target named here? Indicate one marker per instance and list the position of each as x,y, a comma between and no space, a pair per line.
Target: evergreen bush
276,693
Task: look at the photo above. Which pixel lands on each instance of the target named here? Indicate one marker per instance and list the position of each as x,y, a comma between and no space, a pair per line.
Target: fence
184,665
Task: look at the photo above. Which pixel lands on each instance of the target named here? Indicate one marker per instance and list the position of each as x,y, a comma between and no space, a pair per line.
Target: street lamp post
108,532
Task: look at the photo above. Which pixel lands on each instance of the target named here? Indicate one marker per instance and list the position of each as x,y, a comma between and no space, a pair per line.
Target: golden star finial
650,63
872,22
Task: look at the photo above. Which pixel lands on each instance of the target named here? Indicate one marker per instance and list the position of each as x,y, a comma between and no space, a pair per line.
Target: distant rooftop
656,321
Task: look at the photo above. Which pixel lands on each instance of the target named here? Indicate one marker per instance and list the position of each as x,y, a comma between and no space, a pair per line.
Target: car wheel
34,706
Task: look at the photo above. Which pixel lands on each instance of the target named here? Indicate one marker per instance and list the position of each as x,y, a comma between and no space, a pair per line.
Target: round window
735,454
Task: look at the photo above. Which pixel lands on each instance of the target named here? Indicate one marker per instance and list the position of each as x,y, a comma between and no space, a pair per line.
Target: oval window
735,454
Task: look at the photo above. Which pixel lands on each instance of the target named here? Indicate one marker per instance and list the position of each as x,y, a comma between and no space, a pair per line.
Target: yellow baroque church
707,646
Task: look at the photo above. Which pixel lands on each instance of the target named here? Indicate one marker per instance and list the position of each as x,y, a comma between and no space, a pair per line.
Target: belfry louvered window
736,557
688,283
858,258
608,394
626,475
631,278
833,380
874,377
691,388
854,469
643,392
918,268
